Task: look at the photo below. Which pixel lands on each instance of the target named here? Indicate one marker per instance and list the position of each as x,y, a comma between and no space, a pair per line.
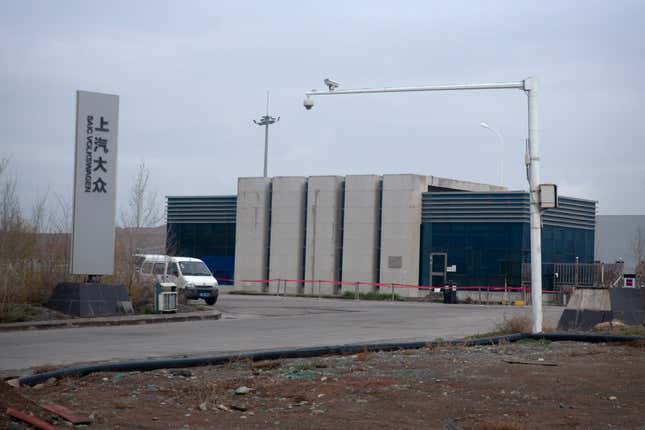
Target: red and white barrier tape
389,285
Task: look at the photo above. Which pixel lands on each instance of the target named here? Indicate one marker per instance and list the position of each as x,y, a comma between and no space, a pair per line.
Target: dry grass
514,325
363,356
623,330
266,365
517,324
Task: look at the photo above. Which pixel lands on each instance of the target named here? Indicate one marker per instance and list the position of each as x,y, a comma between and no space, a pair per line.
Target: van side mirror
175,273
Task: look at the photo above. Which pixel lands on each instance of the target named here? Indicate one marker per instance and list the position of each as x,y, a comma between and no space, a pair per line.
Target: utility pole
530,87
266,121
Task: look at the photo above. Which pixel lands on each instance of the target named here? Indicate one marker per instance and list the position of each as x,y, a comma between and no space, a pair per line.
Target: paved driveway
252,323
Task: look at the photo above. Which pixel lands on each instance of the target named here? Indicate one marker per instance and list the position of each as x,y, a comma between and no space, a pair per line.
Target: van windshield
194,268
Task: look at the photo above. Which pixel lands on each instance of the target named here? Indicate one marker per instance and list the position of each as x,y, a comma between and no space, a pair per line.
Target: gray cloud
192,76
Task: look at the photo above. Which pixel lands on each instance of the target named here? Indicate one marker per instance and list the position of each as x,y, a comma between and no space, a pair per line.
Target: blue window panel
490,254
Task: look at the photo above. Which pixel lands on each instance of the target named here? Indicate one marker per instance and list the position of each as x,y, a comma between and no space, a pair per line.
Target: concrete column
401,231
251,233
360,230
288,230
324,206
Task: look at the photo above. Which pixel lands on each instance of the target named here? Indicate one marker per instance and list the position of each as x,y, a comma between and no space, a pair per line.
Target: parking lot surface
251,323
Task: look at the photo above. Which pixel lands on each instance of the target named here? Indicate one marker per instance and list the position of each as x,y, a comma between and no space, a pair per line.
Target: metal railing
563,276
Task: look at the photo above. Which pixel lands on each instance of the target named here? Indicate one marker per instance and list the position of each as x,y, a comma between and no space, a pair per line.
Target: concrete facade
252,232
324,233
288,203
361,231
400,230
358,228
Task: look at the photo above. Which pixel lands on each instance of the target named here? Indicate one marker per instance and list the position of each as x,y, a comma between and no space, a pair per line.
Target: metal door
438,269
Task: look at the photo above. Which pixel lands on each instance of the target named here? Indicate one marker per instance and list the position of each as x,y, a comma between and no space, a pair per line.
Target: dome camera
308,103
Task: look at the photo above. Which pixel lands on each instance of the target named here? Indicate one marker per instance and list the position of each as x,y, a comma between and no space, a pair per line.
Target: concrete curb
111,321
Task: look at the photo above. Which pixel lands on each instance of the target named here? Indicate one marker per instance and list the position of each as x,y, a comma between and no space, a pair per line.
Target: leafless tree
10,213
143,206
60,219
143,210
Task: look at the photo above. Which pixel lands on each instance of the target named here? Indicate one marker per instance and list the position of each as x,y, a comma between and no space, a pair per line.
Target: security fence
562,277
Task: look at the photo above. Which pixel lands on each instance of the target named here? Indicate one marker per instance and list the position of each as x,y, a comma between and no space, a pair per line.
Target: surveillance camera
331,84
308,103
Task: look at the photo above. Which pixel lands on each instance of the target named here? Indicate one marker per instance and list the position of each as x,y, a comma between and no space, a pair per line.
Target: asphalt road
252,323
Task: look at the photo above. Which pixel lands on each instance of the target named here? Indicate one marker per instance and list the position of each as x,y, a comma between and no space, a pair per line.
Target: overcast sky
192,76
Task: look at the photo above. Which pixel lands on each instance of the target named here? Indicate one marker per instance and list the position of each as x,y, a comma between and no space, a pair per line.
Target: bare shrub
141,296
516,324
638,249
33,250
18,244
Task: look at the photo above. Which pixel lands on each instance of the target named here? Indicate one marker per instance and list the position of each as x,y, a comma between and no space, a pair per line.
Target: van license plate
204,294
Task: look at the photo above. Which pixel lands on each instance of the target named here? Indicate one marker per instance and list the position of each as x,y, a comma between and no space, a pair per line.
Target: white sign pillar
97,120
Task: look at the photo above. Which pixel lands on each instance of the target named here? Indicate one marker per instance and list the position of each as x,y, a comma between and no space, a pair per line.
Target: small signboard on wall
97,120
394,262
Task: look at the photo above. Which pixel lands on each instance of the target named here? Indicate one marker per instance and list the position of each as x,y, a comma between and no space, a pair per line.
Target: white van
191,275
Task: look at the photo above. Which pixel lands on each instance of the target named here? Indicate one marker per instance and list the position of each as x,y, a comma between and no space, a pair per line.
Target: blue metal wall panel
504,207
201,209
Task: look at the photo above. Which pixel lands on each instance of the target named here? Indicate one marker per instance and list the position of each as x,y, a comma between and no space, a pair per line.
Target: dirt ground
525,385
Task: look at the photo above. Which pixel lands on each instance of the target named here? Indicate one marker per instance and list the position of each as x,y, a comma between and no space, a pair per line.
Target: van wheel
210,301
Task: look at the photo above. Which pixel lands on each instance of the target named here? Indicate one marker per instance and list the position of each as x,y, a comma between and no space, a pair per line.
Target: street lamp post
266,121
529,86
501,158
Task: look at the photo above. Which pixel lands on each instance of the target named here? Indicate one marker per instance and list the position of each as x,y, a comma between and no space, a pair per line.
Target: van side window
146,268
173,269
158,269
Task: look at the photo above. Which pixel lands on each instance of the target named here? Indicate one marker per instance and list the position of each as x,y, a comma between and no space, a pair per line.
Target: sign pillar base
88,299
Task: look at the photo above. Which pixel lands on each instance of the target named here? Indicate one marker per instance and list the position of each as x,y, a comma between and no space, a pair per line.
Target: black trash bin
453,294
446,294
450,294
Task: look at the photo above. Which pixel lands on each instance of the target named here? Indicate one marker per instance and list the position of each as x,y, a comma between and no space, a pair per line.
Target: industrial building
329,234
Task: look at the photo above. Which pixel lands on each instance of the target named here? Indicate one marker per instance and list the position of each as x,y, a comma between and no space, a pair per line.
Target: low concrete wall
591,306
499,296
